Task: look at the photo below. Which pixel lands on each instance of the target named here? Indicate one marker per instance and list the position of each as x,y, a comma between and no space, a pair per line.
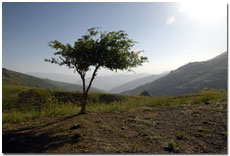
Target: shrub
107,98
144,93
31,100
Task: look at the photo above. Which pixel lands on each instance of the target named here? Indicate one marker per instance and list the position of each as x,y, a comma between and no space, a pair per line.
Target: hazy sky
171,34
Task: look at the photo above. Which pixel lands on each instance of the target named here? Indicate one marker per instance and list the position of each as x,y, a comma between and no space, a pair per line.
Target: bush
31,100
144,93
107,98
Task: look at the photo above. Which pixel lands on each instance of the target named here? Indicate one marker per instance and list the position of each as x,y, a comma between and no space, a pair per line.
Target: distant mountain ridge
108,82
135,83
15,78
100,82
189,78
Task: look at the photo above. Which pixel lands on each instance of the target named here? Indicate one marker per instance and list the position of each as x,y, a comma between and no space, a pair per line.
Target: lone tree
111,50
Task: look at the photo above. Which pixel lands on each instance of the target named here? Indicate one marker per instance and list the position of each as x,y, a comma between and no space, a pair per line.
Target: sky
171,34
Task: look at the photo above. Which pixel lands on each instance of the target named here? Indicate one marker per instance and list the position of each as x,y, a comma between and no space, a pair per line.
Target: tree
111,50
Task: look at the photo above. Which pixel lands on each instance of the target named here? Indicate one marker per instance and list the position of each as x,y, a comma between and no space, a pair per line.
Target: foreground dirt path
200,128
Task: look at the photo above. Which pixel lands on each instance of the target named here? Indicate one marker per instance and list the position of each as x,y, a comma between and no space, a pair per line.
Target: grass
25,103
16,116
171,146
195,112
201,129
181,136
206,122
225,134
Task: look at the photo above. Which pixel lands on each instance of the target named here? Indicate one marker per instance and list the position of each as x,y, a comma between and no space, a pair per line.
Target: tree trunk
86,90
83,108
84,100
84,103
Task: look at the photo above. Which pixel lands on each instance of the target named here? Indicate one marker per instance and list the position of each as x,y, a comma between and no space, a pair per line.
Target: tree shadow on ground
30,140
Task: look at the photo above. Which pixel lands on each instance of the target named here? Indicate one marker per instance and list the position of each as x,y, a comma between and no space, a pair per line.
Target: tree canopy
111,50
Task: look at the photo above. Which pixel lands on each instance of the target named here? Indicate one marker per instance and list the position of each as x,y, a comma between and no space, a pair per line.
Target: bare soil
198,128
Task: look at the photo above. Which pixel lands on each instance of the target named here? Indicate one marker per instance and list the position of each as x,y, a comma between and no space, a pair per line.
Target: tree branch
83,79
92,78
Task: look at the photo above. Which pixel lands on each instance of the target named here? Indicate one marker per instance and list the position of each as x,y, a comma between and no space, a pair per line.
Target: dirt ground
199,128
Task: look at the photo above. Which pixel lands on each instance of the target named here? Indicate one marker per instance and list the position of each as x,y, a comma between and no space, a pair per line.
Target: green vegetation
225,134
15,78
206,122
181,136
171,146
195,112
22,103
201,129
110,50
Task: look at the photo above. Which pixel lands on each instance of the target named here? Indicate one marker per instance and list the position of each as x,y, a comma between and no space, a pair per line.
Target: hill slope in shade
57,77
135,83
15,78
189,78
109,82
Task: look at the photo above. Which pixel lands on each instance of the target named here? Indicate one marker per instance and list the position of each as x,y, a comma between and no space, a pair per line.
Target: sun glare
204,10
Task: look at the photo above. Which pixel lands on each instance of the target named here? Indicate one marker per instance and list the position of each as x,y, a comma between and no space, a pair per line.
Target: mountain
189,78
57,77
15,78
108,82
135,83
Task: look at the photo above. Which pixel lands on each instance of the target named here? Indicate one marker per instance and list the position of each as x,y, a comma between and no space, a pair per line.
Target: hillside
135,83
15,78
189,78
57,77
109,82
